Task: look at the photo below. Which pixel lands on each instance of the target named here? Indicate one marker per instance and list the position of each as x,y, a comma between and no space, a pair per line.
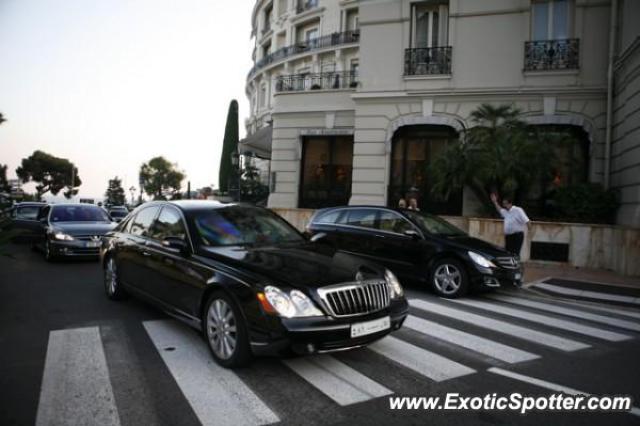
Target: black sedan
249,281
419,247
118,213
72,230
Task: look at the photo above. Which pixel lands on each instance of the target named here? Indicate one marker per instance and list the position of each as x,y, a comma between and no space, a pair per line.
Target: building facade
354,99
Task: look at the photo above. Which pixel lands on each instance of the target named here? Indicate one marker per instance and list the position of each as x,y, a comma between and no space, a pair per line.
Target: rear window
329,217
365,218
27,212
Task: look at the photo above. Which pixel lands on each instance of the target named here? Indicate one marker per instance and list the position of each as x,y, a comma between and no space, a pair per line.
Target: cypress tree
229,146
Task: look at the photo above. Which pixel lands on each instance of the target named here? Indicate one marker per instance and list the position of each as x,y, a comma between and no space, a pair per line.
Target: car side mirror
412,233
317,237
176,243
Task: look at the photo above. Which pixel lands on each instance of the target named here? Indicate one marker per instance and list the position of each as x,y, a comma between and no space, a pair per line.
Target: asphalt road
69,355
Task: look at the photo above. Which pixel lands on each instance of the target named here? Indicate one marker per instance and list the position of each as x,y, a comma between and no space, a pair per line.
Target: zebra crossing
76,381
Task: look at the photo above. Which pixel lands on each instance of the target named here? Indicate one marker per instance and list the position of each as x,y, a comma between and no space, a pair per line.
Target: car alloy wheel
111,277
111,280
449,278
222,331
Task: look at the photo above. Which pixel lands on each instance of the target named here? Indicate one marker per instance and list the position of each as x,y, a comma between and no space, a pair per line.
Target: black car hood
299,265
83,228
466,242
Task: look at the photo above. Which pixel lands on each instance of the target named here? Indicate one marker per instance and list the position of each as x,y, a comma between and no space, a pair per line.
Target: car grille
508,262
352,299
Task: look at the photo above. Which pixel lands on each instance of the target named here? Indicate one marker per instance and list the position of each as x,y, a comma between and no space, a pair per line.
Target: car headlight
293,304
394,284
480,260
62,236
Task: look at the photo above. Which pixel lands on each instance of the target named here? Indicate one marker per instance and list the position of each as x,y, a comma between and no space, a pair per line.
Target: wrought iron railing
321,81
543,55
306,5
427,61
334,39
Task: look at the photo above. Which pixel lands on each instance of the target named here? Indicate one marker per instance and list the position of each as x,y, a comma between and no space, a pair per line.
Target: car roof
30,204
193,205
75,205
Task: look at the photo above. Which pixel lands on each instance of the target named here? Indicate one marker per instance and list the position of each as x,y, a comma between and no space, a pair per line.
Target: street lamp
235,161
132,190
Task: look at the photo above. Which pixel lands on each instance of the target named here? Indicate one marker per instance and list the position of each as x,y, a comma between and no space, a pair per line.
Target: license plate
370,327
518,276
93,244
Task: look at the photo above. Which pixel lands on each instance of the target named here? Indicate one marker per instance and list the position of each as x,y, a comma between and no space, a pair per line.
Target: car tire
48,253
226,332
112,284
449,278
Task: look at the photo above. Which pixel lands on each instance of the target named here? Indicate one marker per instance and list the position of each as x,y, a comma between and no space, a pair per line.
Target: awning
258,144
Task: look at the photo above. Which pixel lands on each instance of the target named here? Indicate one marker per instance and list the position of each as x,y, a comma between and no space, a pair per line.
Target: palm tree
500,153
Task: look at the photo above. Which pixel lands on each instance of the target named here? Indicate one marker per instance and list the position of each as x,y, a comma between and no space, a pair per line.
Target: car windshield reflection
238,226
433,224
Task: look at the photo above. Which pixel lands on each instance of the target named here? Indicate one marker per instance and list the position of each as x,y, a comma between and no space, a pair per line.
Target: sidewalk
535,271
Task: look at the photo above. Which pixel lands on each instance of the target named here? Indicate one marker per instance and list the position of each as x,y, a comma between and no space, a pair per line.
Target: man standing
515,222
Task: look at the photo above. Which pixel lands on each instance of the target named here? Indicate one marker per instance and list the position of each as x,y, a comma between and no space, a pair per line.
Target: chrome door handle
146,253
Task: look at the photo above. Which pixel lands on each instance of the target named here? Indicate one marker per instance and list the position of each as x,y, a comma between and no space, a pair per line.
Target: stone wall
614,248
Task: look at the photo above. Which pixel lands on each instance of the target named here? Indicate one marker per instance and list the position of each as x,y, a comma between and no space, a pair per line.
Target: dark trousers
513,242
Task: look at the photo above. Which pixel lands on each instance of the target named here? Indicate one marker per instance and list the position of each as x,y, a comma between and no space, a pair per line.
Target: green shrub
587,203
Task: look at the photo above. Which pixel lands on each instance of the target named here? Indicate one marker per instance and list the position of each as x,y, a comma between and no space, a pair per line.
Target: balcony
330,40
322,81
550,55
427,61
306,5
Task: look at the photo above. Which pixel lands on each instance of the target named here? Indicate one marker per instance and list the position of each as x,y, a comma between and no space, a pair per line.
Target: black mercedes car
249,280
67,230
417,246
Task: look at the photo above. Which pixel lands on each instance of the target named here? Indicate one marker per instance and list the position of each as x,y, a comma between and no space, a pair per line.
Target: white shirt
515,220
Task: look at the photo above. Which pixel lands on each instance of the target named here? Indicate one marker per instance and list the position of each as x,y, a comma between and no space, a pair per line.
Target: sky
110,84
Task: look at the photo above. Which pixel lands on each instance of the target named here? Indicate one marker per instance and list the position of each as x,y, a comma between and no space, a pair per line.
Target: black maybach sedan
419,247
249,280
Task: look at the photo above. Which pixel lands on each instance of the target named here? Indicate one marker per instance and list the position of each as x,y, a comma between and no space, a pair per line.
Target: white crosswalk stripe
503,327
217,395
589,294
337,380
546,320
547,385
615,322
75,384
426,363
469,341
593,306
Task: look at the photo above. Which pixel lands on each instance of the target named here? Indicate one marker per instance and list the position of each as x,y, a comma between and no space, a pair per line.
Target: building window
310,34
326,171
352,20
282,7
263,95
551,20
354,67
428,52
430,25
414,150
268,12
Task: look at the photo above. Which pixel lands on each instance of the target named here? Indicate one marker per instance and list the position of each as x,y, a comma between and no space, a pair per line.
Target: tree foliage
251,188
161,179
499,154
115,195
50,173
4,183
229,146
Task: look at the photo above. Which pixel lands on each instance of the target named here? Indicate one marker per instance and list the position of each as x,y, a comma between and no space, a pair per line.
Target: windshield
243,226
433,224
78,214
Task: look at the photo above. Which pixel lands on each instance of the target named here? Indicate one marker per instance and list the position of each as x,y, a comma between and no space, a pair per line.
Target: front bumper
75,248
322,334
496,277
